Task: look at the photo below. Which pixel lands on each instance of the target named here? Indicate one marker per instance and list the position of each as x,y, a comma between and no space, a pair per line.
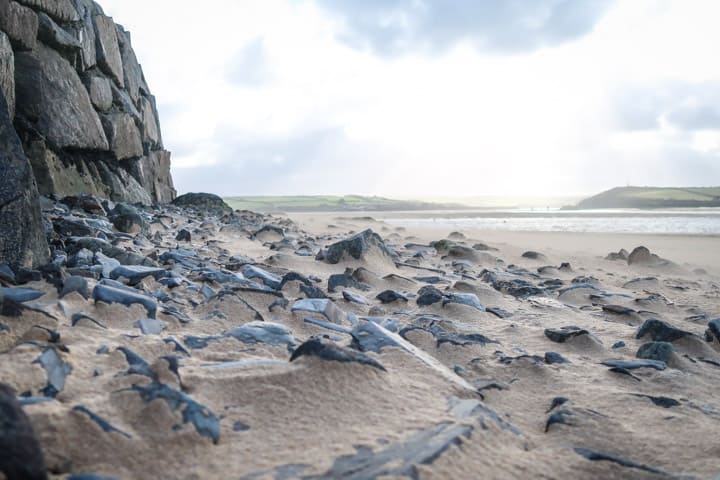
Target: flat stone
104,293
389,296
324,307
20,295
108,49
56,37
7,73
428,295
136,273
332,352
123,135
100,92
53,100
57,371
75,284
469,299
263,332
150,326
19,23
635,364
563,334
355,298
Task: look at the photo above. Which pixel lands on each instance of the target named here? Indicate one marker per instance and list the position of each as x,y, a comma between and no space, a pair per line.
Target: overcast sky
432,97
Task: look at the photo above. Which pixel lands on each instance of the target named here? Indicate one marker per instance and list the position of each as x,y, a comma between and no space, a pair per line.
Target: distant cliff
76,116
653,197
80,104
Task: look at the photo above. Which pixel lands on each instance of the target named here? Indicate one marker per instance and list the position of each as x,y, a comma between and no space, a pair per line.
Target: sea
696,221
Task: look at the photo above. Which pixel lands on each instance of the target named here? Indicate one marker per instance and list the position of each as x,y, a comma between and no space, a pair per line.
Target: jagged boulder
52,100
201,201
19,23
22,234
7,74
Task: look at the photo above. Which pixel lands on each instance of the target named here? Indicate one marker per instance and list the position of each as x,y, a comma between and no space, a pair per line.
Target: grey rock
389,296
19,23
127,219
269,279
469,299
332,352
642,256
122,135
7,74
86,32
205,422
52,99
153,173
150,326
346,280
56,37
22,235
136,273
554,357
428,295
357,247
662,351
201,201
132,72
324,307
75,284
108,49
563,334
661,331
531,255
22,456
100,92
353,297
263,332
713,330
635,364
60,10
18,294
183,235
104,293
57,371
151,127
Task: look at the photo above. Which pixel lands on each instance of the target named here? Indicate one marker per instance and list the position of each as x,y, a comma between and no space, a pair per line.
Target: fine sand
455,407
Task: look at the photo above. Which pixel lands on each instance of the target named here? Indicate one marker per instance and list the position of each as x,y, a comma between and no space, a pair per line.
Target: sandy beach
455,360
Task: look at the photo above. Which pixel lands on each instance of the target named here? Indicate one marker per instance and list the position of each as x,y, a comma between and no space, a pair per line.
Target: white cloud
553,116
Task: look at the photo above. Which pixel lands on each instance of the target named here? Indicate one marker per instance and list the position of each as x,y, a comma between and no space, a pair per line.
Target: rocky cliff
77,118
81,107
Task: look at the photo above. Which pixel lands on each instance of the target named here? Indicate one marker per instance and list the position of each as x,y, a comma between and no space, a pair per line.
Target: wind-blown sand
463,392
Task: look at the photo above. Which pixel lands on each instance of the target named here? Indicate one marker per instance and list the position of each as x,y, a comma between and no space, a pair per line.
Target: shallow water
680,221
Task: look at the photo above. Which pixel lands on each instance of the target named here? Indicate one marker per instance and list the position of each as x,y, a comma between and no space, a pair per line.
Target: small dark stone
499,312
57,371
346,280
183,236
661,351
534,255
468,299
330,351
617,345
389,296
104,293
556,402
618,310
664,402
713,330
428,295
558,418
21,457
127,219
563,334
463,339
553,357
312,291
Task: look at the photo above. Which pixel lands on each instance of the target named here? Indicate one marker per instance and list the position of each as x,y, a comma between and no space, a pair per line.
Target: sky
430,98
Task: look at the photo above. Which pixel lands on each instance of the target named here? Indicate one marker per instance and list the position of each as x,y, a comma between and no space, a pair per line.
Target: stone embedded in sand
201,201
621,255
270,233
713,330
21,457
389,296
600,456
662,351
324,307
532,255
204,421
353,297
127,219
330,351
263,332
136,273
642,256
104,293
18,294
346,280
150,326
183,235
57,371
511,284
101,422
428,295
563,334
635,364
462,339
469,299
358,247
664,402
269,279
661,331
554,357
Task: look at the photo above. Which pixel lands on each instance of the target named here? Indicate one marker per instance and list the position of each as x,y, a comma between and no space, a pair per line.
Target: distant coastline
651,198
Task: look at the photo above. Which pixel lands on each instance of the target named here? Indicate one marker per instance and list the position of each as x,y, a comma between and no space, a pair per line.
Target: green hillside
653,197
330,203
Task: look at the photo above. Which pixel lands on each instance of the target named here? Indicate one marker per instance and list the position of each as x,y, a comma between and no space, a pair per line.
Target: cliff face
79,102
